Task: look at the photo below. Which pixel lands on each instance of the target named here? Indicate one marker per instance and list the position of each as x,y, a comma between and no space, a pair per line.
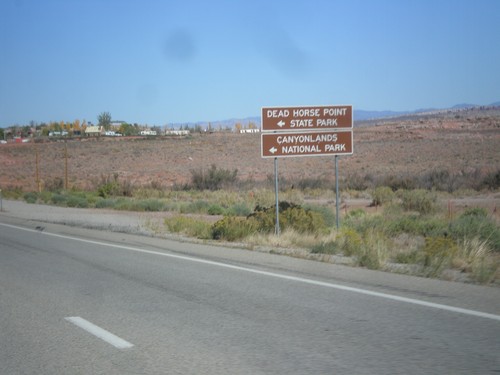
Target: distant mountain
464,106
359,115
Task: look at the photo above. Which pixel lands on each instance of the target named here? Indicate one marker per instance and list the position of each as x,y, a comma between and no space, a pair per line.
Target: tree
104,120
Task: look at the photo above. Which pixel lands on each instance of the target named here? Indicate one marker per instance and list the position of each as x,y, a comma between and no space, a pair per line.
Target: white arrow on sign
281,123
273,150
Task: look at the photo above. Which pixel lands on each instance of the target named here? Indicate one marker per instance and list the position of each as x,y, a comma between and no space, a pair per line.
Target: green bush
326,213
418,225
150,205
290,216
475,212
350,242
197,207
382,195
216,210
473,223
77,201
238,209
233,228
438,253
31,197
105,203
59,199
419,200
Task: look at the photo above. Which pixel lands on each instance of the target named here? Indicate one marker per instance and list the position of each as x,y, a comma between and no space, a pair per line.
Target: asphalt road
76,301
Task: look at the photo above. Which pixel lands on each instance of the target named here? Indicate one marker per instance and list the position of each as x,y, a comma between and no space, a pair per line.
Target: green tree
104,120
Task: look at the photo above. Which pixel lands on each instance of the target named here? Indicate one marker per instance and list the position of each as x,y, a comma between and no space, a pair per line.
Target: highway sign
307,118
318,143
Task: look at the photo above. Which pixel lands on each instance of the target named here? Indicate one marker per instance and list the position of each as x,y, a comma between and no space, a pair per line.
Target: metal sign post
337,218
276,188
307,131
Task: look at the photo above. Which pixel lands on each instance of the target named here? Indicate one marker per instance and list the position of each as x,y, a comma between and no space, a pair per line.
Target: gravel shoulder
90,218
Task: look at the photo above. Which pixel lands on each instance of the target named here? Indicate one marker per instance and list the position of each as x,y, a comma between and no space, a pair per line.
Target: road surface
80,301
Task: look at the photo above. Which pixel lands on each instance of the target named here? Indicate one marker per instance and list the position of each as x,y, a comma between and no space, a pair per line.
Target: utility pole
65,165
37,174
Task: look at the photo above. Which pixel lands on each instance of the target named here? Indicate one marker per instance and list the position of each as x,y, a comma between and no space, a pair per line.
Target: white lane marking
413,301
99,332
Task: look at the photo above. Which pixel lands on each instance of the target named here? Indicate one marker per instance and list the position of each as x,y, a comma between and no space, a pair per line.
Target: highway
75,301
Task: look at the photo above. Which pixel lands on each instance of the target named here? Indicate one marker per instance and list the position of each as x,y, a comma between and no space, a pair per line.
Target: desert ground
459,141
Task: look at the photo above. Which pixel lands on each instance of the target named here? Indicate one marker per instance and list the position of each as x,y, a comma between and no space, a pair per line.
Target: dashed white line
97,331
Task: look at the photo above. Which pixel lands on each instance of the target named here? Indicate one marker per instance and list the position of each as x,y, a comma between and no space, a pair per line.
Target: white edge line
413,301
99,332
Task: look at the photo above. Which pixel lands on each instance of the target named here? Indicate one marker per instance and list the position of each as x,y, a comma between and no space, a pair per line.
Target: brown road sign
319,143
307,118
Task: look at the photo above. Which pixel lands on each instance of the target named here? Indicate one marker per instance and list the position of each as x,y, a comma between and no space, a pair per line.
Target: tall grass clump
188,226
214,178
476,223
474,256
419,200
382,195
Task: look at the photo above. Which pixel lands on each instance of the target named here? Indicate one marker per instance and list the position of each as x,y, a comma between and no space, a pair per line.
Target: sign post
306,131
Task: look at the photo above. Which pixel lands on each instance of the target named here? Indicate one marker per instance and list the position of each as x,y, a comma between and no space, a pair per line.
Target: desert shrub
491,181
45,196
197,207
302,220
291,216
110,186
441,180
329,247
417,225
313,183
475,212
215,210
326,213
150,205
108,189
105,203
239,209
213,179
438,253
12,192
373,253
31,197
382,195
59,199
188,226
419,200
473,223
77,201
356,214
474,257
399,182
123,204
350,242
233,228
358,182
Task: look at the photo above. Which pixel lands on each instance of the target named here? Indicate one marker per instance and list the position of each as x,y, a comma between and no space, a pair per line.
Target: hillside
461,141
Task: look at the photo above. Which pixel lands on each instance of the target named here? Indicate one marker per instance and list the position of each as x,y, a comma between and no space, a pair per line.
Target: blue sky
161,62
